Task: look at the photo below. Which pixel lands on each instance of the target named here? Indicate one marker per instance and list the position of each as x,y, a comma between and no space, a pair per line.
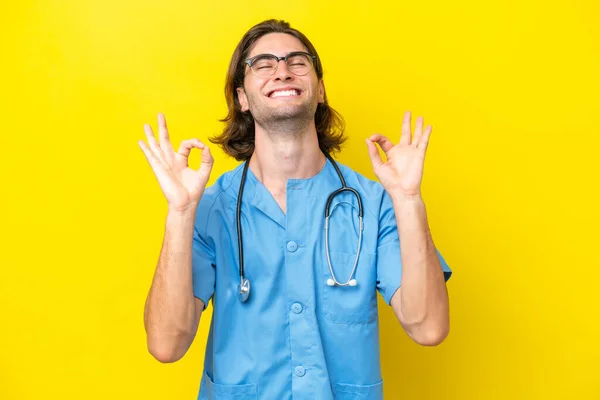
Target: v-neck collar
260,197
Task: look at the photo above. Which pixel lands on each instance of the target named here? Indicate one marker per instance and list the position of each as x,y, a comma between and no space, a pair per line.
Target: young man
293,272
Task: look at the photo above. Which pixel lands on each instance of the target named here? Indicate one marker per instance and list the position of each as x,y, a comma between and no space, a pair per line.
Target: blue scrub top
295,337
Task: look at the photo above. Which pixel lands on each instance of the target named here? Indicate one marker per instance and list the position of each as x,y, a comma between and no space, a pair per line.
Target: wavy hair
237,138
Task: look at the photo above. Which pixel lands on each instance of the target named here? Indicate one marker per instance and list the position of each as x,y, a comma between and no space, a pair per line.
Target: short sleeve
203,263
389,262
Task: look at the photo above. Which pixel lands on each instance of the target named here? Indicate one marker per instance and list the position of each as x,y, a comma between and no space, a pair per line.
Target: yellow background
511,89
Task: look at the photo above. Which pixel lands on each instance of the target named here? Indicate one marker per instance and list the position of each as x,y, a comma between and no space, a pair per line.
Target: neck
285,154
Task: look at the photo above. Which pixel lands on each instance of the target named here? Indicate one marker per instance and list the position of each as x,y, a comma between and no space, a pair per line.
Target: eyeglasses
265,65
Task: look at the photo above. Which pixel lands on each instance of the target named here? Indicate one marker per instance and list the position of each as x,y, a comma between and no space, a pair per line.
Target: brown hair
237,138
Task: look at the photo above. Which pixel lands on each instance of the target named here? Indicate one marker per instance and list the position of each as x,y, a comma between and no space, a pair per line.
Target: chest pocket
350,304
213,391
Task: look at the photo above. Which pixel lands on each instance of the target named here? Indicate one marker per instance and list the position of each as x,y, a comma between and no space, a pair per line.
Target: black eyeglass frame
313,58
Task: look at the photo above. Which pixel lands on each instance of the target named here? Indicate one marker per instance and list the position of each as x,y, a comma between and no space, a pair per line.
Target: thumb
206,157
374,154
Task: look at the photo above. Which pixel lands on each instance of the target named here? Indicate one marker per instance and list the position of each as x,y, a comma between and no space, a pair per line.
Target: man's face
283,96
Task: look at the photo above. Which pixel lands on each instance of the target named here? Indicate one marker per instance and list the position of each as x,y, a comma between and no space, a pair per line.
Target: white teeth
282,93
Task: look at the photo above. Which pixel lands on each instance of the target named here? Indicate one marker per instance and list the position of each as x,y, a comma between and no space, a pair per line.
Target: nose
283,73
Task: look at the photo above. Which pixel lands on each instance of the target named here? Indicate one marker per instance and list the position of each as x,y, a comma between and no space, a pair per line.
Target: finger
385,143
418,131
374,154
187,145
405,138
163,137
206,157
161,174
154,147
154,162
424,142
147,153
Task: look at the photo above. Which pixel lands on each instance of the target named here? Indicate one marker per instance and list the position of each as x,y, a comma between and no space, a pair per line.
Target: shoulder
365,186
373,193
226,184
220,194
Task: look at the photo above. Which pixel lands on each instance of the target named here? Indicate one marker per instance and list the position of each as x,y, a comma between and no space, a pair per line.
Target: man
294,294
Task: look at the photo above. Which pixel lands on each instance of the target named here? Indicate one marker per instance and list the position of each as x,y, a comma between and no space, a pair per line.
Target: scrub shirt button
297,308
299,371
292,246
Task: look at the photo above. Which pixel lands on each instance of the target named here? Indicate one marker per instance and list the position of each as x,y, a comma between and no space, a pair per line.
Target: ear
241,94
321,91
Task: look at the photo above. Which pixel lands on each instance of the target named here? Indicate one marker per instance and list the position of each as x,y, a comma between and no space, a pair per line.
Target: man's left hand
401,174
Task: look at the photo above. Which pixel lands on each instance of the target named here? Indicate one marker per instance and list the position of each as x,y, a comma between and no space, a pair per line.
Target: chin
289,112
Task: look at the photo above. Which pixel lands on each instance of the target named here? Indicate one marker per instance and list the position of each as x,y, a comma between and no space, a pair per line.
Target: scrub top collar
256,193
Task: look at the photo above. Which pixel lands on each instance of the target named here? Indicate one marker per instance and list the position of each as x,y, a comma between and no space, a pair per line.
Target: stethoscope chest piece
244,290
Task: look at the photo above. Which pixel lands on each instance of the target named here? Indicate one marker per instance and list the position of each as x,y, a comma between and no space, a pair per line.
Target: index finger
385,143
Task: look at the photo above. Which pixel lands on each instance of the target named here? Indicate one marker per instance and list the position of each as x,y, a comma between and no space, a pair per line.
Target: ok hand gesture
182,186
401,174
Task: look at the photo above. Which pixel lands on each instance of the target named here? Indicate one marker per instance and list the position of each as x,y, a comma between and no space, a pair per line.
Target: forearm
423,305
170,307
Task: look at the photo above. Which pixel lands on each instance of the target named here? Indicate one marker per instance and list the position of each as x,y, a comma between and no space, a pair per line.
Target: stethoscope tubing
244,287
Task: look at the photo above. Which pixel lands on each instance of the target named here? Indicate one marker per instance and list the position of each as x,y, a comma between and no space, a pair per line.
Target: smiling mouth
284,93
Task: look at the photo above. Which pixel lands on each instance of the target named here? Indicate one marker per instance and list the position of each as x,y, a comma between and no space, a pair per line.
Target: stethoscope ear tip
351,282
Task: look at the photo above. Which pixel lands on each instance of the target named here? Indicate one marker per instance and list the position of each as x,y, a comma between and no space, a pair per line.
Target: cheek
254,90
251,99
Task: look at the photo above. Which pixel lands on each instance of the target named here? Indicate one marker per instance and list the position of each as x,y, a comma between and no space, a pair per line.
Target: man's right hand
181,185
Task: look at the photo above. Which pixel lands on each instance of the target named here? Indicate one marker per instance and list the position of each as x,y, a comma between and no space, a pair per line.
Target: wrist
183,208
182,213
400,198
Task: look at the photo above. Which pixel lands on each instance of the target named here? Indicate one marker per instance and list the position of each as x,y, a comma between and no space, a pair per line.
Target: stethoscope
244,286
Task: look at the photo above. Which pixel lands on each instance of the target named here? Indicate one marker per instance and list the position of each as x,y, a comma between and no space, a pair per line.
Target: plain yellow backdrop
511,89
